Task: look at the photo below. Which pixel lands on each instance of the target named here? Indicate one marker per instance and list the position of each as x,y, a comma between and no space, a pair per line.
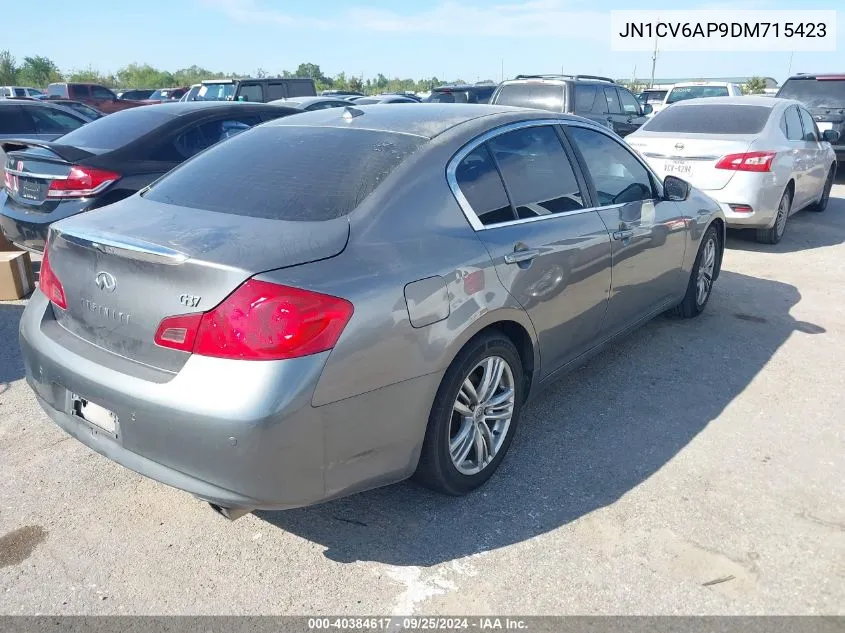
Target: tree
754,86
310,70
38,71
8,69
91,75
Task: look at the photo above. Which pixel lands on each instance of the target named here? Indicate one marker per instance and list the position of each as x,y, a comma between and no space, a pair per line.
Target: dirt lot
697,467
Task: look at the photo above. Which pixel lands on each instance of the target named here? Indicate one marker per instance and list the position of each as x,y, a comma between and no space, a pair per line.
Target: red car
94,95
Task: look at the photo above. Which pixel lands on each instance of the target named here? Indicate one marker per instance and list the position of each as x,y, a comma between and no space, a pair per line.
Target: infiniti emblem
679,146
105,281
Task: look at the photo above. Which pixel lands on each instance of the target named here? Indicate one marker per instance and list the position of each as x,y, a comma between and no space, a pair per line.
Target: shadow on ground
589,439
11,364
804,231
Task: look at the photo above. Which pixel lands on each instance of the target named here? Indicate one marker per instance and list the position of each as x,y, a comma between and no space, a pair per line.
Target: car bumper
223,430
761,192
27,228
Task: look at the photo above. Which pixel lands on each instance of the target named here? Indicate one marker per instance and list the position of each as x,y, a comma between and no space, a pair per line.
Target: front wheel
701,278
473,418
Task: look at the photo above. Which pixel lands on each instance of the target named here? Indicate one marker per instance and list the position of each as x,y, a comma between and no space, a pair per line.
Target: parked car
761,158
94,95
462,94
699,90
253,90
409,95
381,99
8,92
86,111
341,93
167,94
136,94
654,98
599,99
824,98
191,94
235,329
33,119
313,103
110,159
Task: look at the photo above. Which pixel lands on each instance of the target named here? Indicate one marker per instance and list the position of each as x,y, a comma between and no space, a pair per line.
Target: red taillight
50,284
750,161
260,321
81,182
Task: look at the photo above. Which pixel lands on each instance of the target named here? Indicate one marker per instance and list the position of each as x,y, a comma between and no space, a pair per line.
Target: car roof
748,100
426,120
179,108
306,101
818,76
464,87
685,84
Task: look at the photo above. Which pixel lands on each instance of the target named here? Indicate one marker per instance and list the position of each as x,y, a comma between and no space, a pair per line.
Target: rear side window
50,121
275,91
710,119
300,89
585,97
13,121
810,133
118,129
479,181
538,175
20,92
792,123
79,92
251,93
287,172
58,90
532,95
98,92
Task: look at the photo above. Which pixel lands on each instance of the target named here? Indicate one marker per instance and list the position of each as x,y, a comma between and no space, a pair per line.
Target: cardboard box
16,278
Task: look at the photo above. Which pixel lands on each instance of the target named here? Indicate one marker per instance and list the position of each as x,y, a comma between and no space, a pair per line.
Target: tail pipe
230,512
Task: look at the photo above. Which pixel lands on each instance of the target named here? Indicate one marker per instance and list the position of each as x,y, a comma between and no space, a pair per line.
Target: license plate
30,189
677,167
94,413
824,125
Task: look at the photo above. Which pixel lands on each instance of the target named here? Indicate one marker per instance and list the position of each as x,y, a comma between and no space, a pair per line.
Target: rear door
817,166
529,207
649,234
802,157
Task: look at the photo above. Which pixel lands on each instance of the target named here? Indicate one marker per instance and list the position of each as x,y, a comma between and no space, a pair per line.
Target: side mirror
676,189
648,109
831,136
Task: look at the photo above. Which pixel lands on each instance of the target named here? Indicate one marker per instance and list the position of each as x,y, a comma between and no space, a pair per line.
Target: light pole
653,62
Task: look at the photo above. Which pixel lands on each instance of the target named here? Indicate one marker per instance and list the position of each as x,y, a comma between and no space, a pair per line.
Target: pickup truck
94,95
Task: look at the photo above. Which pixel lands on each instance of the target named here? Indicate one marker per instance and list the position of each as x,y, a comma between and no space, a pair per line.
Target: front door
551,252
648,234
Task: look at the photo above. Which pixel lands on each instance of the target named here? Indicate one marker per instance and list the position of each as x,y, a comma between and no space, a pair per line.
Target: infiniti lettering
106,312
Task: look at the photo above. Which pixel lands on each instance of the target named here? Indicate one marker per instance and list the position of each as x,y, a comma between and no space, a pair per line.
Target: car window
815,93
116,130
792,121
274,91
537,173
251,93
98,92
50,121
300,89
14,121
629,102
811,134
532,95
682,93
710,119
617,175
585,97
215,92
203,136
79,92
56,89
20,92
447,96
287,172
612,99
480,183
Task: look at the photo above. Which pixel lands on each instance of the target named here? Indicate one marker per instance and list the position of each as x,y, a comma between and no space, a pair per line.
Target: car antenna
350,113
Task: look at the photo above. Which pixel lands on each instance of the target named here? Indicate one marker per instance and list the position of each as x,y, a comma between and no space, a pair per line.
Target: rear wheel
701,278
473,418
774,234
821,205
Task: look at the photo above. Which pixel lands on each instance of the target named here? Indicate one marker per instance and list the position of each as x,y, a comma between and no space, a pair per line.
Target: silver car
345,298
761,158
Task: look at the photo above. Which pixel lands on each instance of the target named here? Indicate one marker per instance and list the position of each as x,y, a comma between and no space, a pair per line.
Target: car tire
450,451
703,272
774,234
821,205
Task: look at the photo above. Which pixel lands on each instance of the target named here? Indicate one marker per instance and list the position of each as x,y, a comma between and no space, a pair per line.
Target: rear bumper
28,229
761,192
234,433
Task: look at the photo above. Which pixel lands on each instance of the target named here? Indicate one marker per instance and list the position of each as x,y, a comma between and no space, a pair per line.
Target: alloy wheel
706,268
783,213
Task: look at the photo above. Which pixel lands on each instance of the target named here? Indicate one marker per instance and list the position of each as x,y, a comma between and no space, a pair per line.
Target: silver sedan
345,298
761,158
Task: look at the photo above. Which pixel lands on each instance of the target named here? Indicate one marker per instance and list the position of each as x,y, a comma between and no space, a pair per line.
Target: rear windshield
652,96
681,93
116,130
532,95
815,93
287,172
481,95
710,119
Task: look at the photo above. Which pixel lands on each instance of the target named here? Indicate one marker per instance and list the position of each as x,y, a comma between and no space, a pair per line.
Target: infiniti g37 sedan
345,298
763,159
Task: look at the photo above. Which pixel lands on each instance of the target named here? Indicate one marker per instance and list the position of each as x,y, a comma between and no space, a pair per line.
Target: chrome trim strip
673,157
124,246
32,174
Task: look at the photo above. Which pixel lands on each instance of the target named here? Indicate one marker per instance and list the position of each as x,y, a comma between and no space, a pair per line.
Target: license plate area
94,414
676,166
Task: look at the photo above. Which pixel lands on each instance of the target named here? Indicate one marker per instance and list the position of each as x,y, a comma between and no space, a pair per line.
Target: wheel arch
722,229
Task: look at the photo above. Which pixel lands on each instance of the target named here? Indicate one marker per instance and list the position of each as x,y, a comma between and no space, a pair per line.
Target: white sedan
761,158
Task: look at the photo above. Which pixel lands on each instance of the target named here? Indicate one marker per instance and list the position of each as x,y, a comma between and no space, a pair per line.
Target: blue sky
450,39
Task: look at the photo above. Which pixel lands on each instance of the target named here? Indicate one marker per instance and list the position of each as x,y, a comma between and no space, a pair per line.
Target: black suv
252,90
598,98
475,93
824,97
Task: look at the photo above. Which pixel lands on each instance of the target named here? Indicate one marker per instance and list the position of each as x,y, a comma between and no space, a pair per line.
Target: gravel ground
695,468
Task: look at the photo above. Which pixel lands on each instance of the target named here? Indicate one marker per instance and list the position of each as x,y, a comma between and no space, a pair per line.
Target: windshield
653,96
682,93
216,92
815,93
710,119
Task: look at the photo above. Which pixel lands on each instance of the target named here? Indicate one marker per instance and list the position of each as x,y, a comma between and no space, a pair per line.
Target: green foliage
754,86
38,71
8,69
91,75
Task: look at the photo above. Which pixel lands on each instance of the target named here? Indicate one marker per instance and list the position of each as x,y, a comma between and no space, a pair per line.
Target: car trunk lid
692,157
130,265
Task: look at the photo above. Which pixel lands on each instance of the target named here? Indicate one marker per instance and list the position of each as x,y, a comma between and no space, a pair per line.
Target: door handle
518,257
625,234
